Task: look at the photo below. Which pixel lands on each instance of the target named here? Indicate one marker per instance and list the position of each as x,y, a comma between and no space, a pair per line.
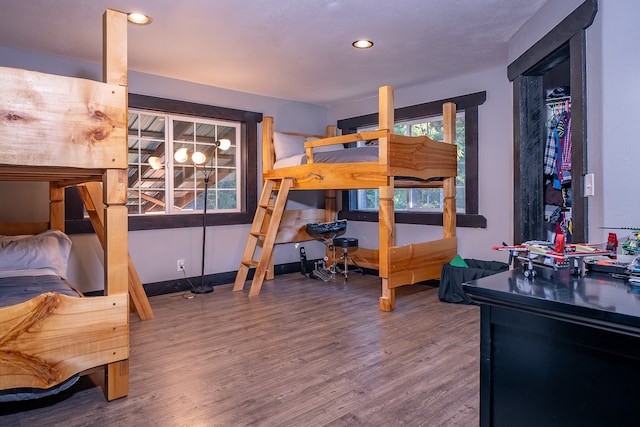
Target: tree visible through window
421,199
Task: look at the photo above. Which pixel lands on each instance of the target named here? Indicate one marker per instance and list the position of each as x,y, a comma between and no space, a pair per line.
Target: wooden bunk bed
68,131
402,161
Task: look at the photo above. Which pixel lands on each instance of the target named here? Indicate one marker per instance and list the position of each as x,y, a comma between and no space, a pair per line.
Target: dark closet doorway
548,74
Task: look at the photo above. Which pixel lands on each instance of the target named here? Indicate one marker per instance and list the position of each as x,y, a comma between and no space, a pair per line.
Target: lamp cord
188,294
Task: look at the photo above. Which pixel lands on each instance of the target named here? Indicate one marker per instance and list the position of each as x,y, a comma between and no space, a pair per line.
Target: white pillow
287,145
49,249
325,148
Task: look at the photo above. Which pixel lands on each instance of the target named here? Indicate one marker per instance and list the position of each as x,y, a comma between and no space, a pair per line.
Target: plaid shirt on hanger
550,147
566,148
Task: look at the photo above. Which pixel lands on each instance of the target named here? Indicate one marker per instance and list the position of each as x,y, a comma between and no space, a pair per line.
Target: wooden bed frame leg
116,262
388,298
116,380
271,272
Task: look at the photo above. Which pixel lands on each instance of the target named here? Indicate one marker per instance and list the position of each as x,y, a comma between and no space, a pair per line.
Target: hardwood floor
302,353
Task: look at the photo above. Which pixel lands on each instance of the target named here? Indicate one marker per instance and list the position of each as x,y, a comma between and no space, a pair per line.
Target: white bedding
295,160
47,250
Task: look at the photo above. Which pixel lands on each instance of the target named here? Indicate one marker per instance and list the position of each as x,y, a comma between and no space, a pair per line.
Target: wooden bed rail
18,228
49,338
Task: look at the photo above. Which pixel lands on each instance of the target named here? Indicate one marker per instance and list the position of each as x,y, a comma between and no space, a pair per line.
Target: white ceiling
292,49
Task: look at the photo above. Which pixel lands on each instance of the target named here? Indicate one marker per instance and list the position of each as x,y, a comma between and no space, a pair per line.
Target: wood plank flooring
302,353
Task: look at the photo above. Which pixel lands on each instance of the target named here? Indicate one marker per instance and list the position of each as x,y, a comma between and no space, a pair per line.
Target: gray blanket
349,155
14,290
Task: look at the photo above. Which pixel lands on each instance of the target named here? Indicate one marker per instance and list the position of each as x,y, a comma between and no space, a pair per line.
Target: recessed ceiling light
362,44
138,18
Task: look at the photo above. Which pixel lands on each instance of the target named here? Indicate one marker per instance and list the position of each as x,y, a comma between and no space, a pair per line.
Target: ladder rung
250,263
267,205
258,234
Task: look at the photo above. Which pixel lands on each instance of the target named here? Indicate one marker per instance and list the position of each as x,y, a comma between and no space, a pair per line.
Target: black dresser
558,350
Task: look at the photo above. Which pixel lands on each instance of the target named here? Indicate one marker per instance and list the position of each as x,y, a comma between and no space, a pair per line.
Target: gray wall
612,150
614,116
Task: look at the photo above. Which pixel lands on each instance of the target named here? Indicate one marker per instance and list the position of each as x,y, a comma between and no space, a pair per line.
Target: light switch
588,185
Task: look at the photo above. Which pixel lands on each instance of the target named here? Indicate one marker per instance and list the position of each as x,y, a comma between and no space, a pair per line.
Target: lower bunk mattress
17,286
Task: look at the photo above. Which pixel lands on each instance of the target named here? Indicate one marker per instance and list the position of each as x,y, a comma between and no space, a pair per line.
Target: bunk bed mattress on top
347,155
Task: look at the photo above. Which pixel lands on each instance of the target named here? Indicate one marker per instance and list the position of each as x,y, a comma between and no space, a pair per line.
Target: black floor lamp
203,288
199,159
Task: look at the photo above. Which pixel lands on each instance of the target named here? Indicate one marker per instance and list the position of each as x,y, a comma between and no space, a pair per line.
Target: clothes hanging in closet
557,164
557,154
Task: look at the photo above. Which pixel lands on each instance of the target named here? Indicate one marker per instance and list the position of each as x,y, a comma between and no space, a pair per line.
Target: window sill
462,220
156,222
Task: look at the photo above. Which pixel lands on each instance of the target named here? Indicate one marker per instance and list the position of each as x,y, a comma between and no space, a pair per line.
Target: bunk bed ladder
263,231
91,194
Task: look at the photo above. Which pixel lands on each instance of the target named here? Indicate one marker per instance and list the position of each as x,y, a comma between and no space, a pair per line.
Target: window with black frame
169,158
420,205
173,145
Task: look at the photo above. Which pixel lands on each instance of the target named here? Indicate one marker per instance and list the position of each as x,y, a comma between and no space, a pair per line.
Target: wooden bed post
268,158
116,263
114,48
330,195
386,220
268,152
114,187
386,226
330,208
449,184
56,207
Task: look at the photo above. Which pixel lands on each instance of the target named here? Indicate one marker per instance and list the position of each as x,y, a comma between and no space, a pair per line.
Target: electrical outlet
180,265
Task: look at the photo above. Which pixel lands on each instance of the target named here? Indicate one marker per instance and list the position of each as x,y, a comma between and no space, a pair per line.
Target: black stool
327,232
345,243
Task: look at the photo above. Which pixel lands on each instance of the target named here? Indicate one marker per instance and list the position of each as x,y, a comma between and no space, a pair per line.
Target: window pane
401,199
366,199
211,198
183,131
146,175
227,200
227,132
226,178
426,199
205,133
133,202
400,129
183,200
153,201
227,158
